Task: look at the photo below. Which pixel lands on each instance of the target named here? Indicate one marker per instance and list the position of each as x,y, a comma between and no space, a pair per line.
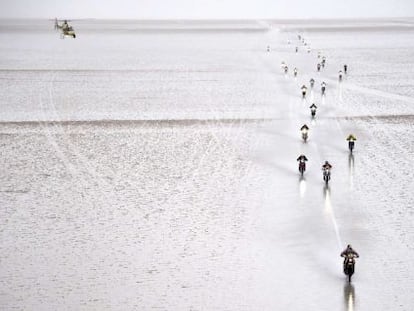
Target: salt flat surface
152,166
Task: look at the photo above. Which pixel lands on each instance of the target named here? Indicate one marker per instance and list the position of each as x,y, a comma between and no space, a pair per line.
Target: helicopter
67,31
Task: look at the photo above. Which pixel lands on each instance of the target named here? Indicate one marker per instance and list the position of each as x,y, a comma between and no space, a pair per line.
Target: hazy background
201,9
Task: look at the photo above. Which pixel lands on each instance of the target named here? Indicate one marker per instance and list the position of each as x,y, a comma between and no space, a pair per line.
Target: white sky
164,9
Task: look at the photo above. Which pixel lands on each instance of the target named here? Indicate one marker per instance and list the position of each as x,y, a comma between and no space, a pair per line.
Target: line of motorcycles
349,262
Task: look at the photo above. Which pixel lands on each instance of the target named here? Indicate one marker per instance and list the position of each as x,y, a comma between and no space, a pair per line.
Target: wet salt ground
120,218
135,95
206,215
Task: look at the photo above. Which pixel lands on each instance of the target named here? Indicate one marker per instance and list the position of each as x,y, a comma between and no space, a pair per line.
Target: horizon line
215,19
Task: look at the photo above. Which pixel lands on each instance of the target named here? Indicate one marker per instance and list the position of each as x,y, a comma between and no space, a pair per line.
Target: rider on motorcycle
295,71
349,251
313,108
323,87
301,159
351,141
346,68
326,168
304,89
304,129
312,82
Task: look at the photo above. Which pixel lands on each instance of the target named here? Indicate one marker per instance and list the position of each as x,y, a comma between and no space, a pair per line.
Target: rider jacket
326,166
351,137
349,251
302,158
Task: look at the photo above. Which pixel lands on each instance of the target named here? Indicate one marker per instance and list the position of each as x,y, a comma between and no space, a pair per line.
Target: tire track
86,169
374,92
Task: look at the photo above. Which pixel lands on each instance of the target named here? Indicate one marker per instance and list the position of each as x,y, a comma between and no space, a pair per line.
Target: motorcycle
312,82
313,108
326,175
351,145
349,266
351,142
304,129
302,167
305,136
323,61
323,88
304,89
